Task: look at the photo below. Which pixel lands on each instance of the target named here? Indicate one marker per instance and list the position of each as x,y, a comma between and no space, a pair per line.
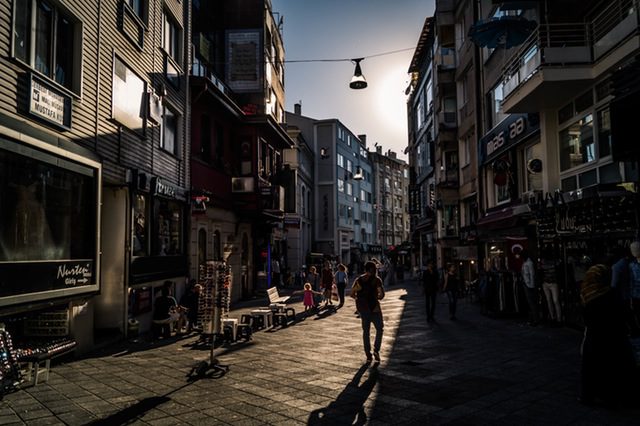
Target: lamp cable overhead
286,61
357,81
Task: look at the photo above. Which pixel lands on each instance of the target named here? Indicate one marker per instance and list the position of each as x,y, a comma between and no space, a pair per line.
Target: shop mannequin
529,280
550,287
634,272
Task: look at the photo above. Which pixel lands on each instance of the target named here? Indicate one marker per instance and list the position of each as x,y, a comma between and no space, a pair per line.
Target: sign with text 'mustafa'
49,103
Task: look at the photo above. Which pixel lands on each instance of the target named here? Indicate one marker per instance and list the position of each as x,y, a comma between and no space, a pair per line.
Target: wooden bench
274,297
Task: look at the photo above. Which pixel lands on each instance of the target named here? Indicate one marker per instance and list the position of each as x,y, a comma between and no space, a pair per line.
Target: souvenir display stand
214,303
10,376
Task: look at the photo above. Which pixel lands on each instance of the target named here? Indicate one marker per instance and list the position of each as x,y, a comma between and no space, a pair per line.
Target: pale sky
337,29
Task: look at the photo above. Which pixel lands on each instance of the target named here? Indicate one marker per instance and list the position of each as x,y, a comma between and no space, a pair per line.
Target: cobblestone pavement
475,371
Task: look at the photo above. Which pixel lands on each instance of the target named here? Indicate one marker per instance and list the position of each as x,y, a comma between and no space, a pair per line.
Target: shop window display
577,144
140,225
169,226
46,212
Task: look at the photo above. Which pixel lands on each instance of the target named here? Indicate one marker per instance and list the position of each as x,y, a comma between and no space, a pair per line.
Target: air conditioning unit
242,184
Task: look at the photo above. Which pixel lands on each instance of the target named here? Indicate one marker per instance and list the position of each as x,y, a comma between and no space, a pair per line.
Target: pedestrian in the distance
368,290
190,302
451,288
430,279
341,278
326,281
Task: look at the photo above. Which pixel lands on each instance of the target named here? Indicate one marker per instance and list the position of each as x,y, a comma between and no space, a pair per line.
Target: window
420,112
577,144
340,185
47,209
127,96
363,196
533,181
140,225
465,151
502,193
450,220
496,97
47,39
349,166
171,38
169,228
341,160
349,189
138,7
169,139
604,133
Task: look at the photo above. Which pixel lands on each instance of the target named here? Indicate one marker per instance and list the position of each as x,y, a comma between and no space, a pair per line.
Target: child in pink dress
307,299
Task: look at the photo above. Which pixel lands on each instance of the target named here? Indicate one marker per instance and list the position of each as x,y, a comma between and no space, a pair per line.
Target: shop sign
23,278
513,129
163,188
566,223
74,274
292,220
49,103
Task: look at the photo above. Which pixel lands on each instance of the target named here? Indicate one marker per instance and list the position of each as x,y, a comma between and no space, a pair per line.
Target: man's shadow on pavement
348,407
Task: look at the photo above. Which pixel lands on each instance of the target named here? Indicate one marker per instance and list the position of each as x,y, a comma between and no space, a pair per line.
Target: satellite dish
534,165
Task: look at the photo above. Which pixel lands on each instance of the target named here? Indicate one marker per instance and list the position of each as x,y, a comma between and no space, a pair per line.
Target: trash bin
133,328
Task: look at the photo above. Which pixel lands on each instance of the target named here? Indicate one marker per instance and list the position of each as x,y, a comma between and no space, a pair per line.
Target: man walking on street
368,291
430,280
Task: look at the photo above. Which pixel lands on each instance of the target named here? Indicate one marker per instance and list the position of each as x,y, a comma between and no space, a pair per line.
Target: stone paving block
9,418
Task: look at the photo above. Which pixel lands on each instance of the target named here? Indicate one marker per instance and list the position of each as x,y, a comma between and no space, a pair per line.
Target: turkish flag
515,245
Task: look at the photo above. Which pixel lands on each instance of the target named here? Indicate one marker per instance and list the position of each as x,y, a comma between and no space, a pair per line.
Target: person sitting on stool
164,313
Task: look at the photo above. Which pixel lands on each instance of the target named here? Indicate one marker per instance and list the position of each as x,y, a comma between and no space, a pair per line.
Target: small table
265,315
233,324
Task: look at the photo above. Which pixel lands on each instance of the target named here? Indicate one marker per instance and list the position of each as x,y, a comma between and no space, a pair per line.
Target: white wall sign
49,104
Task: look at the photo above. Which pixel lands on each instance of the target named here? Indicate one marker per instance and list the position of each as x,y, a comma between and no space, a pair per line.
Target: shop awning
508,217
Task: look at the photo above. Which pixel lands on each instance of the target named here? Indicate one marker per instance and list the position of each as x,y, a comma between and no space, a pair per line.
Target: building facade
421,118
391,199
342,190
568,90
97,112
239,177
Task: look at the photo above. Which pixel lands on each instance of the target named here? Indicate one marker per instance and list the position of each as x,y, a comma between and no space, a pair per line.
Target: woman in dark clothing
451,288
430,281
608,363
327,280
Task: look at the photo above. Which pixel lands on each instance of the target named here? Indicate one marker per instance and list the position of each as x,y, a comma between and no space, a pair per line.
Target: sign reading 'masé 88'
512,130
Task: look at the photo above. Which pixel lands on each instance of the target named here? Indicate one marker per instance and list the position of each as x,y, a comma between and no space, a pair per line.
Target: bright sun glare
391,100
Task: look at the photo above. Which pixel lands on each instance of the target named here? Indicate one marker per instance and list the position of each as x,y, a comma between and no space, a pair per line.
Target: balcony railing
447,118
449,178
199,69
563,44
445,58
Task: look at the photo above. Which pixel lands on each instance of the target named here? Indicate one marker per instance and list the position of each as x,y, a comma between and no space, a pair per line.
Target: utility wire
349,59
